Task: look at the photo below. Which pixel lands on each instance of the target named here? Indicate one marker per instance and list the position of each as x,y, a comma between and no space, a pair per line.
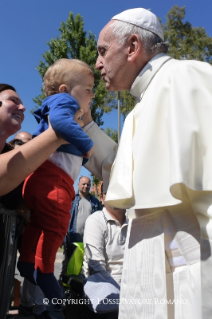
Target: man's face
84,185
112,60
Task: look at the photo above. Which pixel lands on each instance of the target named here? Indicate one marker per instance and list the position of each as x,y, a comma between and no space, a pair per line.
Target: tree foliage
127,102
185,41
75,43
95,182
112,133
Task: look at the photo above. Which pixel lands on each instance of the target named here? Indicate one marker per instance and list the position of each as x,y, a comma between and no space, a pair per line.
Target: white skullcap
142,18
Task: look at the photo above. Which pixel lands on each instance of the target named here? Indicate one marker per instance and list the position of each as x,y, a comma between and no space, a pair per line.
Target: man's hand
89,153
87,118
77,116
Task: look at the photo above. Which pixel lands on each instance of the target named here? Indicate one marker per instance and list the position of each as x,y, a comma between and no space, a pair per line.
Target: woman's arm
17,164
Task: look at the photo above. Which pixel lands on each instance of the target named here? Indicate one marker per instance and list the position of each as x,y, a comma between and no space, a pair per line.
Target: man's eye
102,52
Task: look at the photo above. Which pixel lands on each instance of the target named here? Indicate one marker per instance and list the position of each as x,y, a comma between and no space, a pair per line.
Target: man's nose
99,64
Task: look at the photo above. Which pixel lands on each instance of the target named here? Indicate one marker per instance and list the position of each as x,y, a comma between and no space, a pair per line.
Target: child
49,191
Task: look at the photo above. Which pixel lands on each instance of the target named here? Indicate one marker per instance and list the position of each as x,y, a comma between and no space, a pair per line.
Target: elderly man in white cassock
162,171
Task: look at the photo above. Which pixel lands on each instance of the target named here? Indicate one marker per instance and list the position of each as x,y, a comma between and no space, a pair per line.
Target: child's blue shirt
61,109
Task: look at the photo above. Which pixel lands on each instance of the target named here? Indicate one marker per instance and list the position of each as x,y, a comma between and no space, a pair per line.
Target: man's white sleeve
104,154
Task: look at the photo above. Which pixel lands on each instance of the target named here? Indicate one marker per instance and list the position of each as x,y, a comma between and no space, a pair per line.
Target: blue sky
28,24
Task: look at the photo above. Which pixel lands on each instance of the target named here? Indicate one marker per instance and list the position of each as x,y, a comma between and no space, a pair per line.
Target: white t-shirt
104,242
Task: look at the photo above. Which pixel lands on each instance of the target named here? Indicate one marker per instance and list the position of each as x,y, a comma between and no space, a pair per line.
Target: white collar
109,217
142,80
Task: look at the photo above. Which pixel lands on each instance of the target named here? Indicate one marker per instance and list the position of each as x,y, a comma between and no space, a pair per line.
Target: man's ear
134,46
63,88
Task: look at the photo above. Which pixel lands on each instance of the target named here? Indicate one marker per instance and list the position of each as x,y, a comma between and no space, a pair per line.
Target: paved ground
57,264
13,314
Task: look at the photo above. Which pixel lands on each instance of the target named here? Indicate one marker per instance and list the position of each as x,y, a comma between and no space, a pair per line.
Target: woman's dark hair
4,87
7,148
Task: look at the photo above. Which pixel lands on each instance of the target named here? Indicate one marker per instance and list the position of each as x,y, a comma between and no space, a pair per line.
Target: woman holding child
19,163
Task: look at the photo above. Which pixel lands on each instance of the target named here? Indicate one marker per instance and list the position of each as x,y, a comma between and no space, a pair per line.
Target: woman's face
11,112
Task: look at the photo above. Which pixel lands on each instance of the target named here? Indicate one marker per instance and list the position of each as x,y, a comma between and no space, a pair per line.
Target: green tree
95,183
185,41
127,102
112,133
75,43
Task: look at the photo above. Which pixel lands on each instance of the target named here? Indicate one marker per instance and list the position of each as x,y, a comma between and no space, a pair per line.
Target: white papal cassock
163,174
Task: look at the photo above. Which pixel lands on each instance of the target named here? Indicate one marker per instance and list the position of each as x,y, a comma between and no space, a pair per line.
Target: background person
83,206
23,136
162,169
104,244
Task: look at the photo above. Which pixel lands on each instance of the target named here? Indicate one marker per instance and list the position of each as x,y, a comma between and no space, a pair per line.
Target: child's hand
77,116
89,153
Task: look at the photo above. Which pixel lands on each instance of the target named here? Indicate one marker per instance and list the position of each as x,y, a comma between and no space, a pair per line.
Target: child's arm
61,115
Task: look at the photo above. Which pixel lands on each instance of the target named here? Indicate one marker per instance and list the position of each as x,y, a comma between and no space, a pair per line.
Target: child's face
83,92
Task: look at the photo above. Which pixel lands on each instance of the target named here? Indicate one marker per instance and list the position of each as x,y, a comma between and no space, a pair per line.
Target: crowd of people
159,256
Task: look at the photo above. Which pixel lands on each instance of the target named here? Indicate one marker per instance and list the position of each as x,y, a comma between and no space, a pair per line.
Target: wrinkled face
11,112
84,185
83,92
111,61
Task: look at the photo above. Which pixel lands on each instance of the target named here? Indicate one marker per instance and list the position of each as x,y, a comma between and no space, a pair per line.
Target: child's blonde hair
64,71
